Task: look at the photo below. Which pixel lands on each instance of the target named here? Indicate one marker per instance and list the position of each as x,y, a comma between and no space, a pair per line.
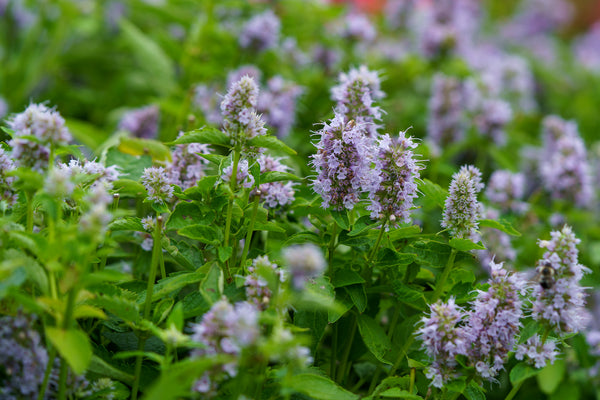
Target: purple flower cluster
586,49
462,210
241,122
257,289
7,193
494,322
23,358
275,194
141,122
356,26
536,352
561,306
3,107
243,177
261,32
443,339
187,167
446,123
563,164
46,126
398,172
343,164
355,95
303,262
225,329
157,184
506,190
489,113
277,103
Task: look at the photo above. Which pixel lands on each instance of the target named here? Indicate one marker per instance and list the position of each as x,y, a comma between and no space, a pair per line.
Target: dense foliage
298,200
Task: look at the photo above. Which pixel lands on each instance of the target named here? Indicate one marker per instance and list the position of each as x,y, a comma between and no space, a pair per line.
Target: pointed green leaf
374,337
550,377
276,176
358,295
73,345
127,224
433,192
271,142
318,387
206,135
522,371
341,218
209,234
345,277
501,225
465,244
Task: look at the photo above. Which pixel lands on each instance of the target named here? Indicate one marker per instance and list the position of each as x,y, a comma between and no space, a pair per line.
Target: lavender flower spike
494,323
156,182
446,112
355,95
7,192
561,305
537,353
398,171
261,32
462,210
241,122
343,164
443,339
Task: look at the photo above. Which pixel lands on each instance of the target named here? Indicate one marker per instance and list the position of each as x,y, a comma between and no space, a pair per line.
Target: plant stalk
250,229
342,370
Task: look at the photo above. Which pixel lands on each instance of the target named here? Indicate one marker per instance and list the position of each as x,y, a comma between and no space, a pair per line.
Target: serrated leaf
206,135
127,224
271,142
345,277
303,237
318,387
315,321
87,311
363,224
102,368
277,176
270,226
522,371
166,286
73,345
224,252
374,337
501,225
530,329
344,303
203,233
358,295
433,192
474,392
125,309
341,218
185,214
465,244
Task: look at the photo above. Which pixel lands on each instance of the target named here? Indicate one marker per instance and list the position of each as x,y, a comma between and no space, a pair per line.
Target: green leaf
474,392
400,233
206,135
457,385
303,237
407,294
465,244
550,377
137,147
341,218
176,317
374,337
433,192
363,224
209,234
86,133
358,295
127,224
522,371
530,329
270,226
501,225
277,176
176,382
398,393
344,303
430,252
130,167
161,310
224,253
129,188
166,286
315,321
102,368
185,214
318,387
346,277
150,57
73,345
271,142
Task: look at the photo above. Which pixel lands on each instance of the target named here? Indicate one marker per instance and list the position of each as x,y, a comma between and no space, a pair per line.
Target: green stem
334,345
377,243
331,250
250,230
390,334
49,366
232,185
64,367
442,281
156,254
29,197
342,369
514,390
